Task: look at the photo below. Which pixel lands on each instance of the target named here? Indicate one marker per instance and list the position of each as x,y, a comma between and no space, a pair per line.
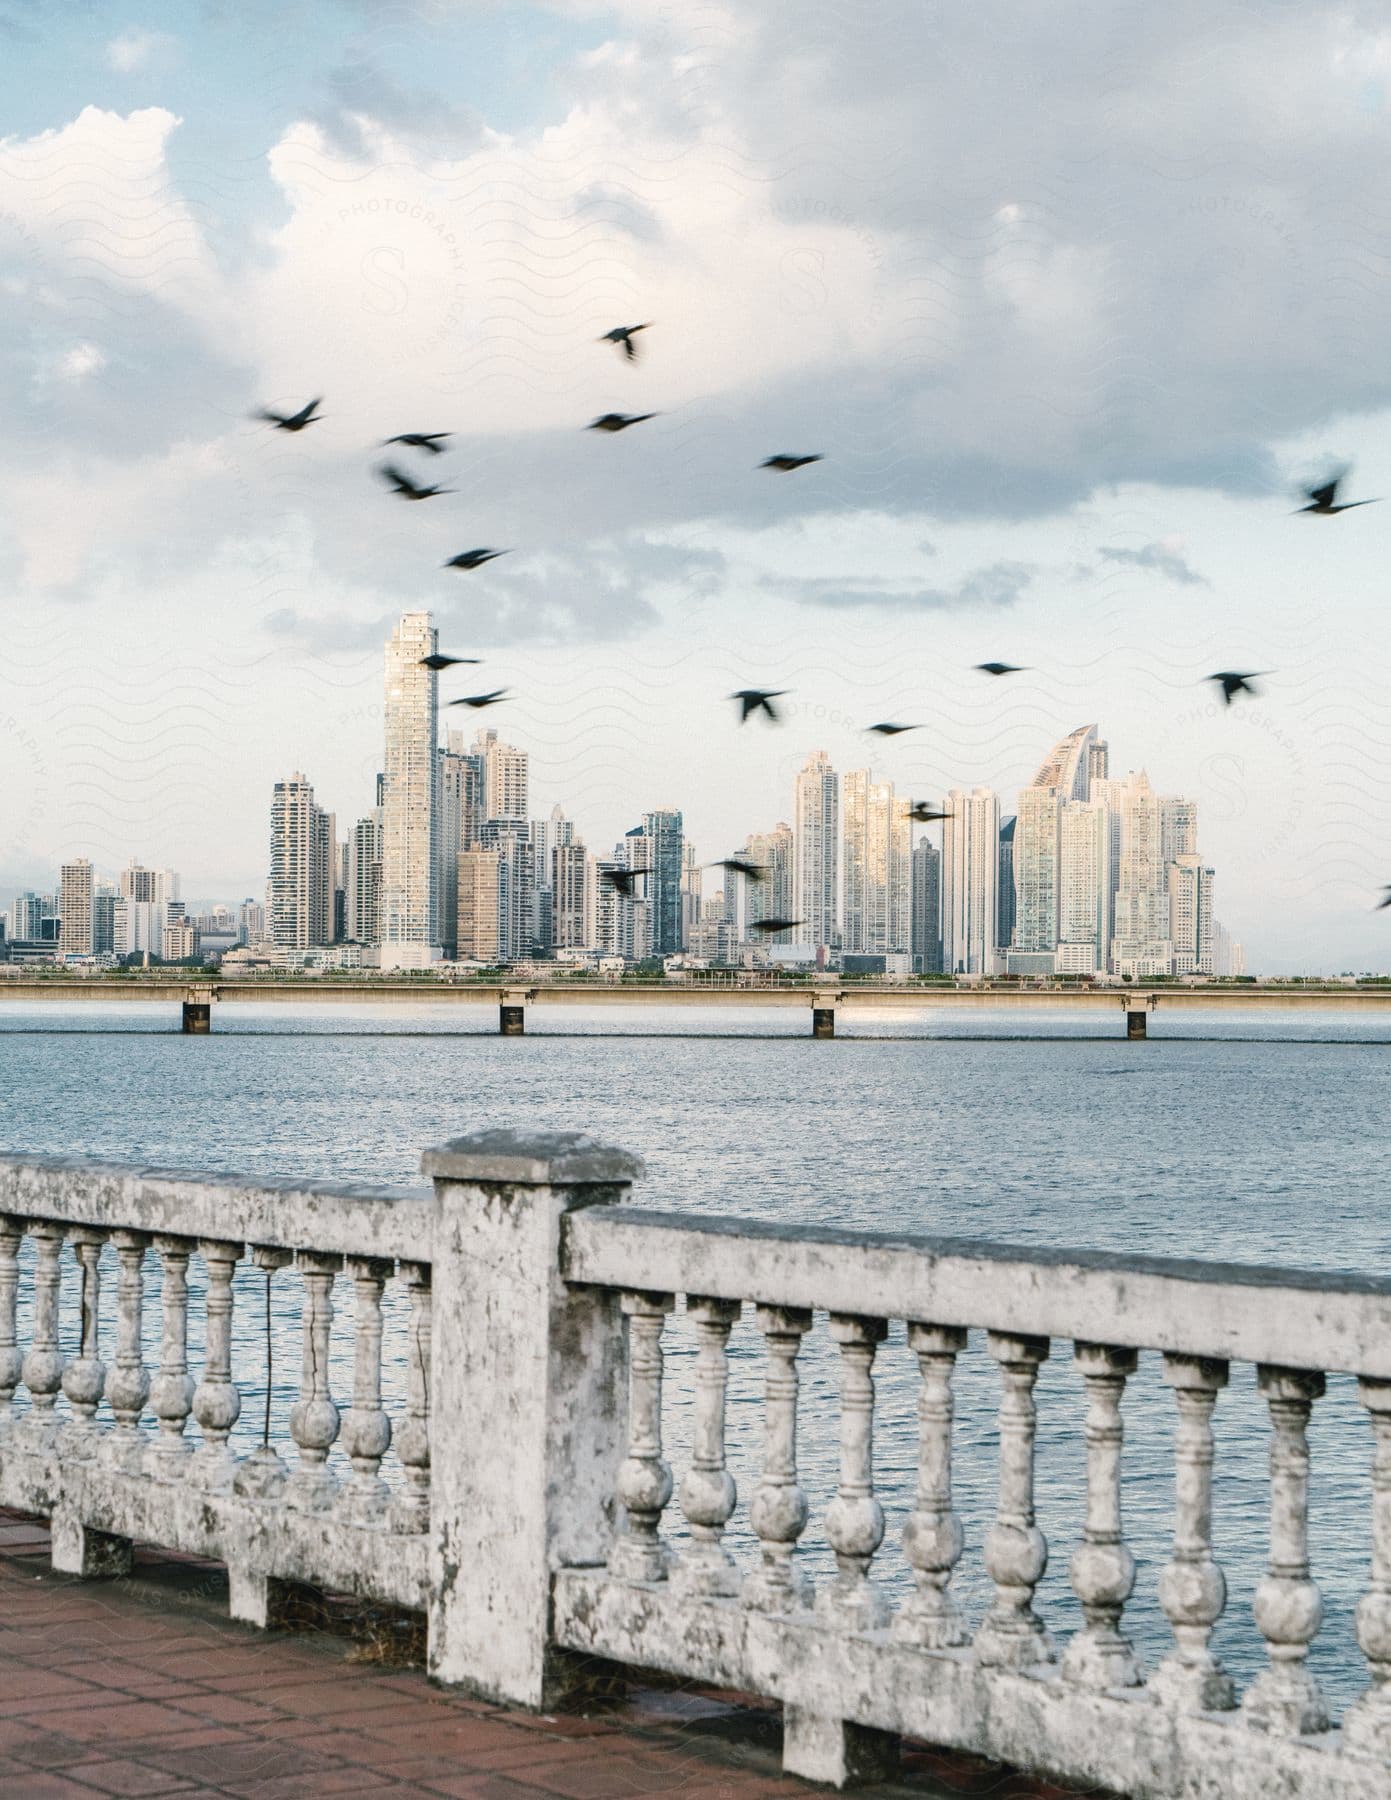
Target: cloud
1000,585
1165,557
82,360
133,49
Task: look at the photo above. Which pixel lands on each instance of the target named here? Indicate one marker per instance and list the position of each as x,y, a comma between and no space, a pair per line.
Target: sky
1072,299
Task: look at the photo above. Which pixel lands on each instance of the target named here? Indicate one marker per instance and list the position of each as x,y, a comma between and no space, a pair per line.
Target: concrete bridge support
511,1019
1137,1024
198,1013
823,1021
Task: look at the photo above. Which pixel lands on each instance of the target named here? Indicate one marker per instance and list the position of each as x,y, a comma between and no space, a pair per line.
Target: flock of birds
1323,501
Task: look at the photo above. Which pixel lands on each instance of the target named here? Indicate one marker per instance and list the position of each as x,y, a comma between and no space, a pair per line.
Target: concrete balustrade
523,1495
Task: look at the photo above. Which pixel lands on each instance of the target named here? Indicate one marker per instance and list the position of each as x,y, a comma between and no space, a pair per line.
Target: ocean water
1254,1138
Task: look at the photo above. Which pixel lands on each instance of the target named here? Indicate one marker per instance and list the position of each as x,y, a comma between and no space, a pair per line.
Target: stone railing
532,1525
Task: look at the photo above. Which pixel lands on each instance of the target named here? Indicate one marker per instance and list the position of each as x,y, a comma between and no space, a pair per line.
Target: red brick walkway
144,1687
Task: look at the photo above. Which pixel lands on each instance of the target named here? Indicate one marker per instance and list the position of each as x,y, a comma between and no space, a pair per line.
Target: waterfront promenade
515,1493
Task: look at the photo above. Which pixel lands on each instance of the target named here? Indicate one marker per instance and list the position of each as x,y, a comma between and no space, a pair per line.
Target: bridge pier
1137,1024
197,1017
511,1020
823,1021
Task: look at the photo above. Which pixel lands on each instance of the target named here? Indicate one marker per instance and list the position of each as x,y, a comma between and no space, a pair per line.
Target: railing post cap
532,1158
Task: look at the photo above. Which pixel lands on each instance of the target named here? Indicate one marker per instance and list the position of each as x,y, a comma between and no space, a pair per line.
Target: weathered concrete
197,1017
823,1021
532,1369
511,1020
1136,1024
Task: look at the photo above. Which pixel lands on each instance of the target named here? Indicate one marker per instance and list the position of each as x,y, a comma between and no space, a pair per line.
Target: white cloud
82,360
133,49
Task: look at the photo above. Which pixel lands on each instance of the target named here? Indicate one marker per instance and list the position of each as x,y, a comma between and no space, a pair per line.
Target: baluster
171,1391
644,1480
932,1536
1103,1569
127,1383
1367,1722
42,1368
314,1417
411,1511
1011,1635
262,1475
855,1519
1285,1697
216,1402
11,1361
707,1492
85,1376
779,1510
366,1427
1192,1589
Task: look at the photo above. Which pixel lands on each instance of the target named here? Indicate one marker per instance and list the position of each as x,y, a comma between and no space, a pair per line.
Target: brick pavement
144,1687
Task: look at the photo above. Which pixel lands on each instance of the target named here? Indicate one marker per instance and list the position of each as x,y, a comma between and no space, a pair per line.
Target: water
1220,1138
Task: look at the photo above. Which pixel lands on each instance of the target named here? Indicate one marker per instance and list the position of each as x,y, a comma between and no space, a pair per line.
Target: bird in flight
771,925
481,699
472,559
405,487
621,880
1324,500
753,700
1232,683
1382,905
307,415
617,421
925,814
433,441
892,730
999,669
737,866
446,662
623,336
786,463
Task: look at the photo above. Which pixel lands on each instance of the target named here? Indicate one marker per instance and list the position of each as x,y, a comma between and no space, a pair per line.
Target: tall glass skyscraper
410,873
970,881
816,867
663,831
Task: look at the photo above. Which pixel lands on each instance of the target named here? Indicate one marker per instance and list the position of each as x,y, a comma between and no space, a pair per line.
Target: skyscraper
478,909
876,916
506,779
927,907
771,898
665,865
410,871
301,867
1192,928
362,903
1064,777
1084,888
970,881
816,830
75,891
1004,921
1140,943
573,897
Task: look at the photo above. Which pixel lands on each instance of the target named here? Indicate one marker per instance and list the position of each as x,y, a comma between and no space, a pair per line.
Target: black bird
623,335
999,669
925,814
1233,683
1324,500
891,730
737,866
446,662
307,415
771,925
433,441
784,462
405,487
1382,905
617,421
472,559
757,699
481,699
621,880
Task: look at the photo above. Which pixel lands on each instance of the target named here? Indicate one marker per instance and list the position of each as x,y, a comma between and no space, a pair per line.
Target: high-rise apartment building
409,910
75,892
362,899
970,881
1064,778
104,899
1084,888
574,897
665,857
691,879
1140,943
876,860
771,898
302,857
1004,918
816,851
478,910
1192,928
926,942
28,913
506,778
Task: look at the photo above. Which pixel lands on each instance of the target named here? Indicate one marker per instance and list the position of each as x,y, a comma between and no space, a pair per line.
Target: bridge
823,999
503,1474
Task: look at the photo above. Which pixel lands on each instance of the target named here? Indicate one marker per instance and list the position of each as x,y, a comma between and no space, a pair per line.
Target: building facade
816,830
409,906
971,882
